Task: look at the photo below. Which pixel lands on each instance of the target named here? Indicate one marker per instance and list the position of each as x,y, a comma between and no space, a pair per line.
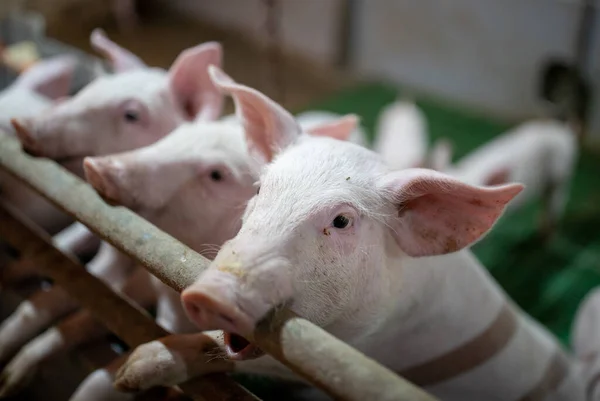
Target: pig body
132,108
32,93
376,257
402,136
540,154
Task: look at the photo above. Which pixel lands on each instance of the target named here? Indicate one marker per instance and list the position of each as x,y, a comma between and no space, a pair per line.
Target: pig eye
131,116
216,175
341,221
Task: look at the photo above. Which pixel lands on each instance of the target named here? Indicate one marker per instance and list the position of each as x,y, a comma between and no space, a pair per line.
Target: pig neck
430,306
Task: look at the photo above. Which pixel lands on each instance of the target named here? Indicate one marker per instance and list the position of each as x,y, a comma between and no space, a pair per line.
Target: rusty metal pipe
311,352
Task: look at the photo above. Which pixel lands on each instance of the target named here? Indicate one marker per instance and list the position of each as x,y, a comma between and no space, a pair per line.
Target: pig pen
549,283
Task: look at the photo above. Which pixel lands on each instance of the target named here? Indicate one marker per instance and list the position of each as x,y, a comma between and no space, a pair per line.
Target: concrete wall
482,53
309,27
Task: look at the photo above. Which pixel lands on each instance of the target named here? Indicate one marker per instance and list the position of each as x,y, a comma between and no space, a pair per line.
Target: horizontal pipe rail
130,322
308,350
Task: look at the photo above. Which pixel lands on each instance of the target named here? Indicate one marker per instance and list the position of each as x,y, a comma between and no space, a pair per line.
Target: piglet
376,257
33,92
402,136
194,184
132,108
540,154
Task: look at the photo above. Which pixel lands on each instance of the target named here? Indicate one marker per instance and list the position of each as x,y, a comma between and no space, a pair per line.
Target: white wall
310,27
483,53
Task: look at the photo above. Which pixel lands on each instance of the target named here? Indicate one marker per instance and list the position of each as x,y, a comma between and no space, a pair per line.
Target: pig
540,154
132,108
201,161
402,135
33,92
377,257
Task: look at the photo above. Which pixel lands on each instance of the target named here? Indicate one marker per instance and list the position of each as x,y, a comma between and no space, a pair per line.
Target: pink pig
83,126
540,154
376,257
30,94
203,163
402,135
130,109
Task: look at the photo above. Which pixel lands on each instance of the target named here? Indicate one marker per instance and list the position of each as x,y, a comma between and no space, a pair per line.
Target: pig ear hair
51,77
436,214
440,156
120,58
340,128
190,83
498,177
269,128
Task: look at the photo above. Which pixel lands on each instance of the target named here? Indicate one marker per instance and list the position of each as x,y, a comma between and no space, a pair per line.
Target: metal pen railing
311,352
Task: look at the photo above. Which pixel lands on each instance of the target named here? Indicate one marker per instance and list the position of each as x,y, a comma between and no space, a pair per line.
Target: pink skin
402,135
541,154
290,228
77,329
200,164
133,108
375,257
32,93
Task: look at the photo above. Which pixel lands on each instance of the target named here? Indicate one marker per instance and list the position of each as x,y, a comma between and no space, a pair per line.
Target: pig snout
233,298
26,134
100,173
212,303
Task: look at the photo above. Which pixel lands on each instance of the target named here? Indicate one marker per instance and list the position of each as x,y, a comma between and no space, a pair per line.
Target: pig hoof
14,378
148,366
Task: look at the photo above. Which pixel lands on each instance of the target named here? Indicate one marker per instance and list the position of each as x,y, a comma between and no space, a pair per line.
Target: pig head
134,107
36,88
323,228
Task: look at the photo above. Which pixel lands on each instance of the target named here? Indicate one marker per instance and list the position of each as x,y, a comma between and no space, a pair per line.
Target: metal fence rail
134,325
327,362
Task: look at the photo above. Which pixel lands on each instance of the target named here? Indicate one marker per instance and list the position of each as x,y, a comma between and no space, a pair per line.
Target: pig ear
440,156
498,177
121,59
190,83
269,128
436,214
51,78
339,129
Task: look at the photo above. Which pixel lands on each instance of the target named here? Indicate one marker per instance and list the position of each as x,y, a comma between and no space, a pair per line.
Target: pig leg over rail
76,330
172,360
31,317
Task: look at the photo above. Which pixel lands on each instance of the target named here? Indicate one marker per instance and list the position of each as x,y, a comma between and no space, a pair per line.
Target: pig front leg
77,239
172,360
77,329
98,386
31,317
73,331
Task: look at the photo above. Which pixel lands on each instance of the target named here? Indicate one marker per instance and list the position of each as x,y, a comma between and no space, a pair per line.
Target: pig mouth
239,349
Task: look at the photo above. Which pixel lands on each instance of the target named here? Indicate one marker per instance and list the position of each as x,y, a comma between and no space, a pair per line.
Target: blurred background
475,67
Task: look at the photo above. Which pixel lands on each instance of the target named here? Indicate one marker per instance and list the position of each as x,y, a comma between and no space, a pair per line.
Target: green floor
547,280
